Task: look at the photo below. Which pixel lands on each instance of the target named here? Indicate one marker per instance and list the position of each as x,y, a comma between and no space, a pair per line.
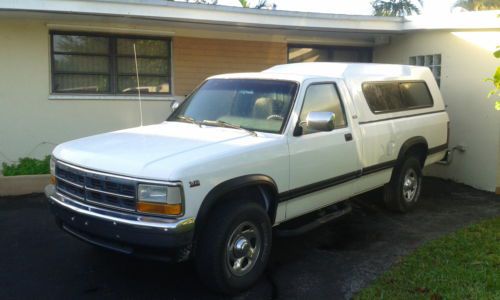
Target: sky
352,7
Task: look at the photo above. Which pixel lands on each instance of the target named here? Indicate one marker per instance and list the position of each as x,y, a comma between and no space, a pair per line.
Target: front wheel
403,191
234,248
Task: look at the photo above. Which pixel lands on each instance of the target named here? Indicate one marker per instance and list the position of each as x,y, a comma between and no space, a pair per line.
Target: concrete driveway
37,260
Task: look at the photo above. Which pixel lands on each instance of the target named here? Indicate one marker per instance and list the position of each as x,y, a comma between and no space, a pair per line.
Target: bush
27,166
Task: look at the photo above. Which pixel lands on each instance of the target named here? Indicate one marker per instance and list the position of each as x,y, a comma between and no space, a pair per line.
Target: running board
332,213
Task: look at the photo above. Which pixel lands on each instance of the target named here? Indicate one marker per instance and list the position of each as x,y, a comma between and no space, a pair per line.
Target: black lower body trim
324,184
317,186
437,149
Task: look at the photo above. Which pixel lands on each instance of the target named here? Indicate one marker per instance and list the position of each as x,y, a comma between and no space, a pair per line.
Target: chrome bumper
96,223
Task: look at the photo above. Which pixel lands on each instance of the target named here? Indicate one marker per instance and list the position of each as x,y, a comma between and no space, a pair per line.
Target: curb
23,184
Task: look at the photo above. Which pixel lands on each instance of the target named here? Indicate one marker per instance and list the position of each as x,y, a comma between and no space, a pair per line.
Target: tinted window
323,98
415,94
395,96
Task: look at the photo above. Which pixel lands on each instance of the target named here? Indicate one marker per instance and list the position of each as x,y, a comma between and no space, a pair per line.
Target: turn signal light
52,179
159,208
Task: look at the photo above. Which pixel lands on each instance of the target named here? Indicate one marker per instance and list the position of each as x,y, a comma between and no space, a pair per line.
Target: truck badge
194,183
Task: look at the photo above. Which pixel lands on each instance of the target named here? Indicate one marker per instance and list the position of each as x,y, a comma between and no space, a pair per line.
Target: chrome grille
97,188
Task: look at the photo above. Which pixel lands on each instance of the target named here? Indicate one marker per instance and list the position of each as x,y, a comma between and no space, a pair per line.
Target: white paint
176,151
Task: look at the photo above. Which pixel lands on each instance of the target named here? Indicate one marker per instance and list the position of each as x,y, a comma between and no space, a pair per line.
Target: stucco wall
466,60
195,59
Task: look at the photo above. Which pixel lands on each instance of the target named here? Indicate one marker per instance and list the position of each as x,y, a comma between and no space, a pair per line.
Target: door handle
348,137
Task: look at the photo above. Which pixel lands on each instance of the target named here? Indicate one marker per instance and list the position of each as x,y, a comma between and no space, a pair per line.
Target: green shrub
27,166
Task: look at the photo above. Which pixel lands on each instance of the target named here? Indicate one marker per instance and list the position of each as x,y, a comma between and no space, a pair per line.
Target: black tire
400,194
213,259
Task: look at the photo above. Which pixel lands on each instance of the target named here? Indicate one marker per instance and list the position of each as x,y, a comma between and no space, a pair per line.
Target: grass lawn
462,265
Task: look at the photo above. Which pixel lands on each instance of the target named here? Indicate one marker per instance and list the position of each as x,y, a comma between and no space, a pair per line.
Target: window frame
330,48
399,82
342,106
113,56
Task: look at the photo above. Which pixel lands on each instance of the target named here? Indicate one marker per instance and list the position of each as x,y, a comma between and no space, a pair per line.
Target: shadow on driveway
38,260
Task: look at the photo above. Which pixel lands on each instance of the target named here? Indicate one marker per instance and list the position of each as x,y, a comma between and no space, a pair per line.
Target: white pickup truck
245,153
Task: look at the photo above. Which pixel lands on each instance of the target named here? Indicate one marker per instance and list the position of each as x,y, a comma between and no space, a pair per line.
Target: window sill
114,97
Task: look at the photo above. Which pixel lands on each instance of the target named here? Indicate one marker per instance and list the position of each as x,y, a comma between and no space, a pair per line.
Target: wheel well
419,151
258,188
259,193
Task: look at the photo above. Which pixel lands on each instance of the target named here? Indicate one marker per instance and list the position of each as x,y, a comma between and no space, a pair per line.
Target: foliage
27,166
495,80
260,4
474,5
463,265
395,8
211,2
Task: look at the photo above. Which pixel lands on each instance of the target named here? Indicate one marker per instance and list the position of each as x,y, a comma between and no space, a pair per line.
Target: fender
417,140
230,185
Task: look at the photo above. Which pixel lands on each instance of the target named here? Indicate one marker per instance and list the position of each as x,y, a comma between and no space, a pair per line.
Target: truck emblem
194,183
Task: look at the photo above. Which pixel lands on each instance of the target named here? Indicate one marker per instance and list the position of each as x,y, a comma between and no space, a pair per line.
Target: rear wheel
403,191
234,248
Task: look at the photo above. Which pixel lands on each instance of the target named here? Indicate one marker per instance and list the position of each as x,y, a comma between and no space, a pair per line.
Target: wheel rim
410,185
243,248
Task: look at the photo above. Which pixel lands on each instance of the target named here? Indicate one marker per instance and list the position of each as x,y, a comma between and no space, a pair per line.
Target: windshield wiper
226,124
188,119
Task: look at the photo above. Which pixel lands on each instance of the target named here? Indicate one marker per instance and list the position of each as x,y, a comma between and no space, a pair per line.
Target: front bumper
120,231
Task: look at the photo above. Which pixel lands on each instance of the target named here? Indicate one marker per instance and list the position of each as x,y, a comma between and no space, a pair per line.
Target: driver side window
323,97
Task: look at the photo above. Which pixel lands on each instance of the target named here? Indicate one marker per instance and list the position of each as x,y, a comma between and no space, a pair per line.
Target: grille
91,187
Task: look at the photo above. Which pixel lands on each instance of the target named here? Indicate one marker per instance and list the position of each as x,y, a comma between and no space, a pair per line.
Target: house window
300,53
105,64
432,61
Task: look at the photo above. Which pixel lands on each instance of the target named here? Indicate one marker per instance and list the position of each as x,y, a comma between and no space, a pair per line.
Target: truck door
323,164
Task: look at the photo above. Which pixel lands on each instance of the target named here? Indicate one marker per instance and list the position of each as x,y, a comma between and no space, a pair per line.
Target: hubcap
243,248
410,185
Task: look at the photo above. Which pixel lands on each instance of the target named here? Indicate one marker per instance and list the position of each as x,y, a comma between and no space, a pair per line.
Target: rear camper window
383,97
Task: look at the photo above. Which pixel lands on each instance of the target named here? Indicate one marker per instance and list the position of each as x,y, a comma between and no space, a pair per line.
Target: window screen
323,98
395,96
104,64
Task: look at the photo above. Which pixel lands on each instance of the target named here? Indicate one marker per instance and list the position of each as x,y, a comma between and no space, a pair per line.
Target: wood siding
195,59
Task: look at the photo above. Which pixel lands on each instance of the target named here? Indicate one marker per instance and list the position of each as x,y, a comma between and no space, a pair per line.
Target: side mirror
174,105
320,121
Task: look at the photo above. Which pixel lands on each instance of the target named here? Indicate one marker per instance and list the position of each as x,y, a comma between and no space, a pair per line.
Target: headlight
159,199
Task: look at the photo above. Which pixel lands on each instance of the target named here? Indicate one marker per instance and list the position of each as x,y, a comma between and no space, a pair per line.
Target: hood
129,152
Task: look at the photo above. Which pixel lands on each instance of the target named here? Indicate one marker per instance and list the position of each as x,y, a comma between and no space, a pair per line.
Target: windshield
253,104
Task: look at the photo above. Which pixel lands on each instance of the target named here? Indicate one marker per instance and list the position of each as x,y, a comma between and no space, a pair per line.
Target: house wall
466,60
196,59
32,121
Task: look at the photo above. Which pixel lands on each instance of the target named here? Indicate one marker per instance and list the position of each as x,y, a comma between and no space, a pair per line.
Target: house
67,67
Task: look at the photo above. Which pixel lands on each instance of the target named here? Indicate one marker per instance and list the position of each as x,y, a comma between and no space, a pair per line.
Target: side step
312,220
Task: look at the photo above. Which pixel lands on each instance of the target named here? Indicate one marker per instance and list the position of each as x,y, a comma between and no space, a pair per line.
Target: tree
495,80
474,5
260,4
395,8
214,2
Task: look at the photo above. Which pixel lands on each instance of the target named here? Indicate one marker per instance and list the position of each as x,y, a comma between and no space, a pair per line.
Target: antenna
138,83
